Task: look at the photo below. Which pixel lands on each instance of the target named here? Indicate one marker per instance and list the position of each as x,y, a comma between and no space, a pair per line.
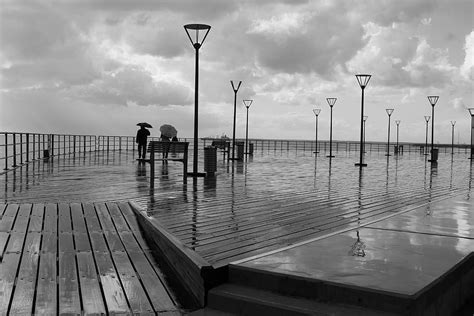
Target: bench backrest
221,144
171,147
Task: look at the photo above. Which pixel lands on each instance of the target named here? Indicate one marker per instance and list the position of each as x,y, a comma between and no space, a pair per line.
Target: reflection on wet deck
272,200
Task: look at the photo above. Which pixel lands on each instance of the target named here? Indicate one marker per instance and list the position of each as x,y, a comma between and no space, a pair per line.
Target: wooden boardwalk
77,258
270,201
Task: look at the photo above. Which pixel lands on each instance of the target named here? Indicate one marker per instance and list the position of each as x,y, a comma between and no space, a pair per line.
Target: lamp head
389,111
197,43
471,111
433,99
453,123
363,80
397,122
247,103
365,117
331,101
427,118
316,111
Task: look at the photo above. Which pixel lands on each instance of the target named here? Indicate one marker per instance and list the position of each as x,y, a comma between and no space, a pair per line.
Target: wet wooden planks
77,258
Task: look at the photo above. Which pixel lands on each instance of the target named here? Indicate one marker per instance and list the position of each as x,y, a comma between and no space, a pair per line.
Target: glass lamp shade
331,101
316,111
433,99
196,28
389,111
363,80
247,103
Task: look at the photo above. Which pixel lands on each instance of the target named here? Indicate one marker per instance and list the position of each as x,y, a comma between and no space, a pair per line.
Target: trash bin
210,160
240,150
434,154
251,149
46,153
395,149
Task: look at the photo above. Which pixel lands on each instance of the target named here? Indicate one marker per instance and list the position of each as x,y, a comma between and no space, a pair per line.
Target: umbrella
144,124
168,130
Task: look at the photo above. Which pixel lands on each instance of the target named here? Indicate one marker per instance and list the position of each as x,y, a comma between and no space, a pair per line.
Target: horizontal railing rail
17,148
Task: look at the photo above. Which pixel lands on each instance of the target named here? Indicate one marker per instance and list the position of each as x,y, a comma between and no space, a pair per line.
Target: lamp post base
330,156
196,175
315,152
387,155
360,164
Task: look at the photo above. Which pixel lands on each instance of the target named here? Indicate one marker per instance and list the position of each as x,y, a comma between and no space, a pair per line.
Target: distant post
247,104
365,119
389,112
363,80
398,124
471,111
235,109
316,113
433,99
427,119
452,136
331,102
196,44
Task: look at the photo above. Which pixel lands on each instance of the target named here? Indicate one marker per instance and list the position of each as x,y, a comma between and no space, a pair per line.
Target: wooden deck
77,258
249,208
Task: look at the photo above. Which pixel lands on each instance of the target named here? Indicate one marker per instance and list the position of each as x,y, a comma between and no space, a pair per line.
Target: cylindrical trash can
46,153
434,154
395,149
210,160
251,149
240,150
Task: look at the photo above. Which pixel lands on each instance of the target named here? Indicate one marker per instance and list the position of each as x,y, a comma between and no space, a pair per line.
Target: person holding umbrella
141,139
167,131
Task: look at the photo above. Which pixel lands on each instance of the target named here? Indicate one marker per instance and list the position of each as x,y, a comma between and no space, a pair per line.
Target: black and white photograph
247,157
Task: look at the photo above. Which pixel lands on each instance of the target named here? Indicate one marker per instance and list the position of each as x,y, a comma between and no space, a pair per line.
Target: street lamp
235,107
331,102
316,113
247,104
471,111
196,44
452,136
365,119
398,123
433,99
427,119
363,80
389,112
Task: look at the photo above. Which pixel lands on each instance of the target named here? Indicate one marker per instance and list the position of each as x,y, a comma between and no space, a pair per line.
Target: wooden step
242,300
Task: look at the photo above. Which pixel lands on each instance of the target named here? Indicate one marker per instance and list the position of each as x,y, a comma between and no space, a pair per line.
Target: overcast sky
100,67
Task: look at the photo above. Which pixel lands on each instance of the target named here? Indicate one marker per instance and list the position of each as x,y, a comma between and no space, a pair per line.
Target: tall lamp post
471,111
196,44
316,113
363,80
235,109
247,104
389,112
452,136
398,124
427,119
433,99
331,102
365,119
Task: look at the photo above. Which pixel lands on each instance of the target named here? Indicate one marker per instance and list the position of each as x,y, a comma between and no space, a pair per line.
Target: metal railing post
27,147
14,150
6,152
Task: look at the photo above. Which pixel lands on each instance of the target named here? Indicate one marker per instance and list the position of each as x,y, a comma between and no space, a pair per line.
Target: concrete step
242,300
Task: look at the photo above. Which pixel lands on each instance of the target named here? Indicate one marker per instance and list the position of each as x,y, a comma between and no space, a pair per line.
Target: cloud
132,85
397,58
306,41
467,68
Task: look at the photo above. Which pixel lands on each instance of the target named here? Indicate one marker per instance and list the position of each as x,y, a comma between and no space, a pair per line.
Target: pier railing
20,148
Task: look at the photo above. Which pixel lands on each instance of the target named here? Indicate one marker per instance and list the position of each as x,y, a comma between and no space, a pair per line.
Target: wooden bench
223,145
170,151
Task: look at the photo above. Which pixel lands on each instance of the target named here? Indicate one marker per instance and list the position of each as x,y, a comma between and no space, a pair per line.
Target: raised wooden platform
249,208
78,258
